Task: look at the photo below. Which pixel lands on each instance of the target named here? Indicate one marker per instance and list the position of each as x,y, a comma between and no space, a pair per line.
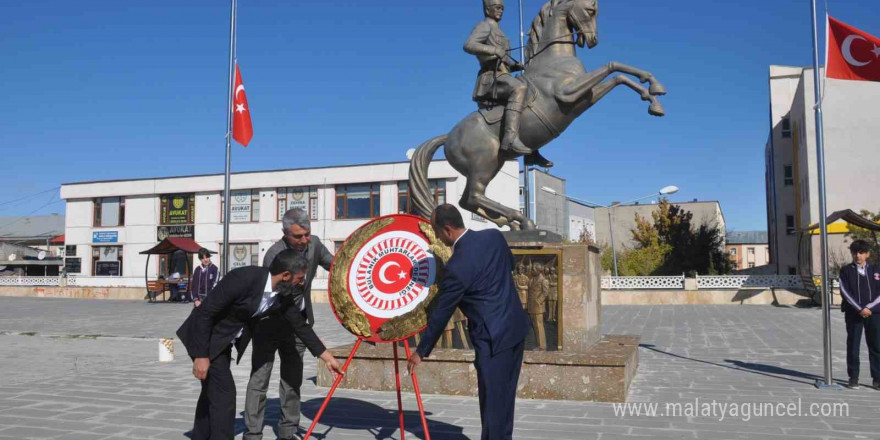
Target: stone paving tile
726,354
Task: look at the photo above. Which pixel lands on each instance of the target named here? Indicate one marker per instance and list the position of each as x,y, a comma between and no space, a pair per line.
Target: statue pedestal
578,364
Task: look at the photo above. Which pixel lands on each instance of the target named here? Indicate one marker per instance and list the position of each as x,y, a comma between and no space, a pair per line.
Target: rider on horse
495,84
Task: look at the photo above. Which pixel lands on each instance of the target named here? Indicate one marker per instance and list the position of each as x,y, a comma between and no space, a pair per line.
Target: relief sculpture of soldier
552,292
521,278
495,83
536,300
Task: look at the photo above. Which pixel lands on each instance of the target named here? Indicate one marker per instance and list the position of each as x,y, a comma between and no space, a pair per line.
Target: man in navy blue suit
479,280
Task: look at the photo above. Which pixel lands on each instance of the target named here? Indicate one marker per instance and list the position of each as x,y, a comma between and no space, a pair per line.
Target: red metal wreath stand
415,382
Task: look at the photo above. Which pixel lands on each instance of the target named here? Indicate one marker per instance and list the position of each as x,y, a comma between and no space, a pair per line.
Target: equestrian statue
518,115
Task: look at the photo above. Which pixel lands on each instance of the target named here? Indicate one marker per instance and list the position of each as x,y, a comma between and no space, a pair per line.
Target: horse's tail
421,197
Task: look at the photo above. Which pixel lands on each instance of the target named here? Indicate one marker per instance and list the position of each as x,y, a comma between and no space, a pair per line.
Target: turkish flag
852,53
242,129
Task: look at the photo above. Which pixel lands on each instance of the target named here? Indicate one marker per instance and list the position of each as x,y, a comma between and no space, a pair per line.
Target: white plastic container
166,350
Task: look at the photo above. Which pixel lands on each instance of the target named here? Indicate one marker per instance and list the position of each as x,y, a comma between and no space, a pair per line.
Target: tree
586,237
641,261
683,247
857,233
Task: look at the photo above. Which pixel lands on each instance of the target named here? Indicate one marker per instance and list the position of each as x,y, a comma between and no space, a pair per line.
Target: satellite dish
41,256
2,267
12,257
410,152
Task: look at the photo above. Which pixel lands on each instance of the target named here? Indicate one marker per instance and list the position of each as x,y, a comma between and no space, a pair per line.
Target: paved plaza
85,369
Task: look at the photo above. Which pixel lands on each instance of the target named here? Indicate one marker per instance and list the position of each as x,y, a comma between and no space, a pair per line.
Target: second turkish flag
242,128
852,53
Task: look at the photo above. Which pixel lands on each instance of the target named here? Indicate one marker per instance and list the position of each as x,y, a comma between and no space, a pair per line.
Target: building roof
746,237
245,172
31,227
171,245
849,216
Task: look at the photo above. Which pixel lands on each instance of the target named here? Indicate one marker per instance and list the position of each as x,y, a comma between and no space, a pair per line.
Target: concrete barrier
727,296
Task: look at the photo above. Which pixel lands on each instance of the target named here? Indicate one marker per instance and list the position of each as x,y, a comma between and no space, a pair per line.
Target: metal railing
17,280
638,283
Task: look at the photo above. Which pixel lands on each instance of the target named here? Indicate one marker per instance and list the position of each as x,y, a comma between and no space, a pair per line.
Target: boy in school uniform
860,289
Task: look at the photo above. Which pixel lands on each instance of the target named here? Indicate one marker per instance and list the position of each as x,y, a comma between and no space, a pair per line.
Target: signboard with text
73,265
105,237
177,209
107,268
175,231
240,209
239,255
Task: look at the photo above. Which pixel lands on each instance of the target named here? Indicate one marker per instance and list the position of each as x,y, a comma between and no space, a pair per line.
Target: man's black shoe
876,384
854,383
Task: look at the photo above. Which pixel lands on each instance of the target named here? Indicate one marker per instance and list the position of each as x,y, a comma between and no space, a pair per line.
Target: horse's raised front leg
602,89
644,76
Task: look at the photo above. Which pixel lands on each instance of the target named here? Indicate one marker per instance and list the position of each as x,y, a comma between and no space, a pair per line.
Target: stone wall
127,293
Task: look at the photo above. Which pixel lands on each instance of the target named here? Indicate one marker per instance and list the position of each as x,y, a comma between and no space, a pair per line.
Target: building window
108,212
436,186
107,261
177,209
751,265
788,175
751,252
786,128
70,250
245,206
303,197
789,225
357,201
733,251
241,255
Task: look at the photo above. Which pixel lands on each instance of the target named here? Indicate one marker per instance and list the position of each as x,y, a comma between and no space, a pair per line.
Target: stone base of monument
578,364
601,374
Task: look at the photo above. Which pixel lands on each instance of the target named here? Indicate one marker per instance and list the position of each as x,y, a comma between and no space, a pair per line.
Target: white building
852,151
108,223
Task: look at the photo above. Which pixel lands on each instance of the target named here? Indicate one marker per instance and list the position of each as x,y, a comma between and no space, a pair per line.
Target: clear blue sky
105,90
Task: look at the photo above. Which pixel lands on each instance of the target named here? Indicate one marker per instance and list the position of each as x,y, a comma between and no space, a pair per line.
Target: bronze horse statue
560,89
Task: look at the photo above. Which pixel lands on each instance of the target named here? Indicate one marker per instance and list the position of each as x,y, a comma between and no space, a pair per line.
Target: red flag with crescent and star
852,53
242,129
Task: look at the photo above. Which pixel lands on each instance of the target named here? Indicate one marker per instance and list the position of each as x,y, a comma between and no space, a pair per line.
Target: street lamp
671,189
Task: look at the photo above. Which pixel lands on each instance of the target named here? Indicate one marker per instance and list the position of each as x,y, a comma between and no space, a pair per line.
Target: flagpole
527,189
823,227
225,260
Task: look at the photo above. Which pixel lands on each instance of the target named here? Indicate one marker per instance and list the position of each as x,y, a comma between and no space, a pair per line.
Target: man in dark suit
267,339
478,280
226,318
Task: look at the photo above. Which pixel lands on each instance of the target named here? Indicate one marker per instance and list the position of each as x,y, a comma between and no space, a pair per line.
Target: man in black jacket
226,318
860,288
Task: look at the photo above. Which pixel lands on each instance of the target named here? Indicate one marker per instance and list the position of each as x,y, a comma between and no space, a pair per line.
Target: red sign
391,272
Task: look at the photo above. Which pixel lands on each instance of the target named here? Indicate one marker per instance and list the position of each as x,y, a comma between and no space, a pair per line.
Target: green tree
857,233
639,261
683,247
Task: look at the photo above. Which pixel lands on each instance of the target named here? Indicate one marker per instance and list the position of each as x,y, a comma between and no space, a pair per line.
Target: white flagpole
826,382
224,264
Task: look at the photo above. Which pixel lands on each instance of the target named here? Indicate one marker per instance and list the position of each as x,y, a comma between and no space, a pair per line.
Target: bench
154,288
